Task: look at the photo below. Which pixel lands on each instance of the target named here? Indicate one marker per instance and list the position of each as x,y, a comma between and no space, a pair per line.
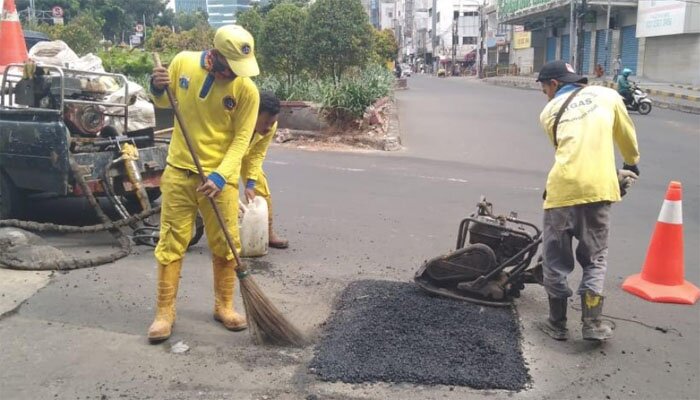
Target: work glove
626,179
632,168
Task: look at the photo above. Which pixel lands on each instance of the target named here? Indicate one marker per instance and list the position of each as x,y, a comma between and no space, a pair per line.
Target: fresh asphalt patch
393,332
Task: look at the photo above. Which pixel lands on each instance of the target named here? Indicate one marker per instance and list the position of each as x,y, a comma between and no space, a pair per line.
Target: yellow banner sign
523,40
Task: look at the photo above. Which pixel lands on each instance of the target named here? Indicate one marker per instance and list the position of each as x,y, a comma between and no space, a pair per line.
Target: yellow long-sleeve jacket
220,116
584,168
255,155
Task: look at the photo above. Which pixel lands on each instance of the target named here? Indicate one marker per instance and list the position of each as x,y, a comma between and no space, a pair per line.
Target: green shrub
123,61
346,100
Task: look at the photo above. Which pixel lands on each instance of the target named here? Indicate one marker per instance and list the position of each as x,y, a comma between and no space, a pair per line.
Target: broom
266,322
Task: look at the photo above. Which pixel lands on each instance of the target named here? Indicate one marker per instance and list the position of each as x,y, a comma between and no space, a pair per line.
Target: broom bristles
266,323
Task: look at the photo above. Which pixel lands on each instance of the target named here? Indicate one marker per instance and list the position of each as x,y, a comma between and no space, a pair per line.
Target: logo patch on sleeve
184,82
229,103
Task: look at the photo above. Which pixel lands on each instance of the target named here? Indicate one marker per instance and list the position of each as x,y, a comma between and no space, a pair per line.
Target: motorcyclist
624,87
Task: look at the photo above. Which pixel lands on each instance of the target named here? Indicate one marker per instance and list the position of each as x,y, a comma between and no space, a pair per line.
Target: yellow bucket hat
238,47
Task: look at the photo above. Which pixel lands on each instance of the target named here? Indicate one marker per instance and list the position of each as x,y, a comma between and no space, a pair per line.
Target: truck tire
12,199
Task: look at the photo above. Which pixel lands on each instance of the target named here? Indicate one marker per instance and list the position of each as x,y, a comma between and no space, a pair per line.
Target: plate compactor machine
492,261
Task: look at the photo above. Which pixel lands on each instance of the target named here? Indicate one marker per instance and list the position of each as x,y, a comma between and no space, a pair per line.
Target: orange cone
14,49
662,279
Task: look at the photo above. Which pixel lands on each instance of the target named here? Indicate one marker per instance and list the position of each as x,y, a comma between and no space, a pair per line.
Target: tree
338,36
252,21
82,34
186,21
282,41
161,39
274,3
385,46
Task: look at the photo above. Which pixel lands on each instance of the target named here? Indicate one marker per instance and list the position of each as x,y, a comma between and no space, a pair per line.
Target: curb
392,140
691,109
657,92
686,87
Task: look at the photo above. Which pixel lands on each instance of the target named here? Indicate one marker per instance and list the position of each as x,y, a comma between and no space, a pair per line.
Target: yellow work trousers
180,203
262,189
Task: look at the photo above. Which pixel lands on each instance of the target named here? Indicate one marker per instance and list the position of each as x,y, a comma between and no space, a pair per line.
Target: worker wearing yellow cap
219,103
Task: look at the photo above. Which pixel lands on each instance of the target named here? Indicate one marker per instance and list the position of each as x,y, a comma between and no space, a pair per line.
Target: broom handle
239,265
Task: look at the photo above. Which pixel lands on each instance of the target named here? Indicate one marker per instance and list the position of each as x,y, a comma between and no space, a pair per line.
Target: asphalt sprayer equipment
492,262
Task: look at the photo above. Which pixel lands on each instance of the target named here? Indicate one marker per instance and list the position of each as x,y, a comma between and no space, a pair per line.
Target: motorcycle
640,100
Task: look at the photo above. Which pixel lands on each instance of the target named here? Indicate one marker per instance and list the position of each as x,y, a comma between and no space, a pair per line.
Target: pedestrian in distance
599,71
220,102
252,173
584,123
617,67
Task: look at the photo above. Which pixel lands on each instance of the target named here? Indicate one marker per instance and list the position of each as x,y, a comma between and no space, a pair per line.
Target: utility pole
455,39
579,39
607,39
433,39
572,34
482,38
32,12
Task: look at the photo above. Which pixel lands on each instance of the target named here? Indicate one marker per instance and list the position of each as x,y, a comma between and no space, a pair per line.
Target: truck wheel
12,199
133,203
198,231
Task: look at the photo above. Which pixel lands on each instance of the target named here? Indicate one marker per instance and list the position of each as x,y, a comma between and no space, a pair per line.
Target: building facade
656,39
190,6
223,12
669,41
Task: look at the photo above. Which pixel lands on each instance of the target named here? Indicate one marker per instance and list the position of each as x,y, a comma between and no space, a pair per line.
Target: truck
55,120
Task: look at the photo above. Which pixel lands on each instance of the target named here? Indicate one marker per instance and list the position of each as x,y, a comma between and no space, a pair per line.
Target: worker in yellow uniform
252,173
219,102
584,123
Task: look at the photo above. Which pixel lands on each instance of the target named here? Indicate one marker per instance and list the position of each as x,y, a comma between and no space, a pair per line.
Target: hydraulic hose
69,262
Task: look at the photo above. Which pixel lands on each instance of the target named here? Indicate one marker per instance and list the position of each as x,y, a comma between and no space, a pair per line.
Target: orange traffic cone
14,50
662,279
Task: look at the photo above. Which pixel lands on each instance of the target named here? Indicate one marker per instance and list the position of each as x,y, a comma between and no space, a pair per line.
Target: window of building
468,39
470,14
390,14
455,15
430,12
438,16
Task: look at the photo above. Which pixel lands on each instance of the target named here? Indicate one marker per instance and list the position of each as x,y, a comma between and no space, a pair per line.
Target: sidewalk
664,95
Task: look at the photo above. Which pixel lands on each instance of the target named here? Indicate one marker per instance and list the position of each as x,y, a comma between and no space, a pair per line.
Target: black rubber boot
555,325
594,328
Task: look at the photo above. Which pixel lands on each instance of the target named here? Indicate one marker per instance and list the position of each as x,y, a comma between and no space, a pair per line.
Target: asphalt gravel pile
393,332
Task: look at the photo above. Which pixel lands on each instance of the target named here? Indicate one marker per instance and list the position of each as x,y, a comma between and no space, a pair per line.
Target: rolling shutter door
586,52
629,48
565,47
600,56
551,48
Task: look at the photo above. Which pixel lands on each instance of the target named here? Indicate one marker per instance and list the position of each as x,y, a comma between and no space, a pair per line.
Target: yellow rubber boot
224,285
168,282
